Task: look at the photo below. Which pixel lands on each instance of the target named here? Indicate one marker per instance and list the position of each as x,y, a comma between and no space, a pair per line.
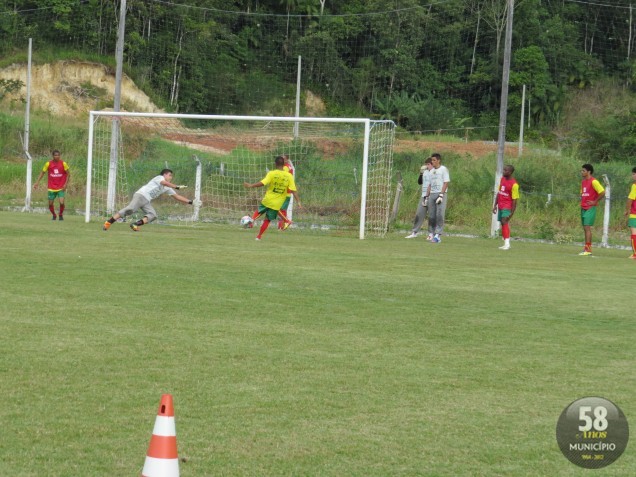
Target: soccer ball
246,220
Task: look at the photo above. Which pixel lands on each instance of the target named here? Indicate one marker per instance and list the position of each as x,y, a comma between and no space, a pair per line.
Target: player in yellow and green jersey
278,182
58,177
591,193
630,212
506,203
289,167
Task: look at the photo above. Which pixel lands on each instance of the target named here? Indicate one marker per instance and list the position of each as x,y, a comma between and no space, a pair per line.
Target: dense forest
428,66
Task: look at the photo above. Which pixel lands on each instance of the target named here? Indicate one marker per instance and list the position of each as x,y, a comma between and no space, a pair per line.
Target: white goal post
343,166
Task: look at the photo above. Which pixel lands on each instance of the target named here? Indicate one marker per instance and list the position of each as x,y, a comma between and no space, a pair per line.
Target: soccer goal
342,166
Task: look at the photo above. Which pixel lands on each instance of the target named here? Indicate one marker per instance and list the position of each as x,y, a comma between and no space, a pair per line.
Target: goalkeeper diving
142,199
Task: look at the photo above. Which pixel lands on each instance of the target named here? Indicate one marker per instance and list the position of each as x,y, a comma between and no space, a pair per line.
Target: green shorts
271,214
503,213
632,223
56,194
588,216
285,205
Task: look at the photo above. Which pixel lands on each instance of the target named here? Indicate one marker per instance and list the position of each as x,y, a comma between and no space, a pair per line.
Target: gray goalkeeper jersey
438,177
154,189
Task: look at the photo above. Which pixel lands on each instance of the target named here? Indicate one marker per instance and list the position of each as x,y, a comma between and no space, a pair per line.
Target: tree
530,68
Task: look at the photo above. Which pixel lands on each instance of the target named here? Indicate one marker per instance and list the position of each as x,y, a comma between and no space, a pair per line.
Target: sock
507,241
263,228
61,209
140,222
255,215
505,231
280,220
634,243
52,209
111,221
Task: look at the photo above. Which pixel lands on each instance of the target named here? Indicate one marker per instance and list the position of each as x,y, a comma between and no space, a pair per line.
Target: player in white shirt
420,216
144,196
440,178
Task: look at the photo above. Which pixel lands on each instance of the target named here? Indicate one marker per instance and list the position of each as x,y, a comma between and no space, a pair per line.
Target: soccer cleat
134,227
436,239
429,237
106,226
633,256
61,217
585,253
258,239
413,235
286,225
54,217
504,247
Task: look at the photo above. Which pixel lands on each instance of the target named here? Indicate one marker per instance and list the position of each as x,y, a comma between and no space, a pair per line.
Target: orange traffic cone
162,459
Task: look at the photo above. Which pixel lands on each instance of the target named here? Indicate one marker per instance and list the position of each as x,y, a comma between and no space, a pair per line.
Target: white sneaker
413,235
504,247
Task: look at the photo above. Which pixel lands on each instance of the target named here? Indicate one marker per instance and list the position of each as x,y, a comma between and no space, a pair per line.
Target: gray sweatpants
436,214
139,202
420,216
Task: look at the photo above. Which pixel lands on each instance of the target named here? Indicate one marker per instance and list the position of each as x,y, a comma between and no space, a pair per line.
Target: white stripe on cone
164,426
160,467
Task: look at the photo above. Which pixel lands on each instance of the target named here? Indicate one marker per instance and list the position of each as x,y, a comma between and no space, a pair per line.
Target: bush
546,231
600,124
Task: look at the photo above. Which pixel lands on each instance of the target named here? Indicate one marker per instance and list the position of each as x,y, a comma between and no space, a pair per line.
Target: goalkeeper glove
440,199
425,202
179,187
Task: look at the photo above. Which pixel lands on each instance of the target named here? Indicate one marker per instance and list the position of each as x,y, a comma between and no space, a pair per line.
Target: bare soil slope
66,88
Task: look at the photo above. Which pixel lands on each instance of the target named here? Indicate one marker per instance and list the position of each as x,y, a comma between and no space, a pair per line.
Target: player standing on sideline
58,177
420,216
440,179
630,212
144,196
278,182
289,167
506,203
591,193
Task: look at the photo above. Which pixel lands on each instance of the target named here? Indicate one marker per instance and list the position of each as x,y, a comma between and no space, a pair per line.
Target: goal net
343,167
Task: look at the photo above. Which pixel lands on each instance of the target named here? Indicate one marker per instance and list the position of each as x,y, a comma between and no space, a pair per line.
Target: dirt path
475,149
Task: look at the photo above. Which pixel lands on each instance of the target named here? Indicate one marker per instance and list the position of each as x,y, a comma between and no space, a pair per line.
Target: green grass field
303,354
